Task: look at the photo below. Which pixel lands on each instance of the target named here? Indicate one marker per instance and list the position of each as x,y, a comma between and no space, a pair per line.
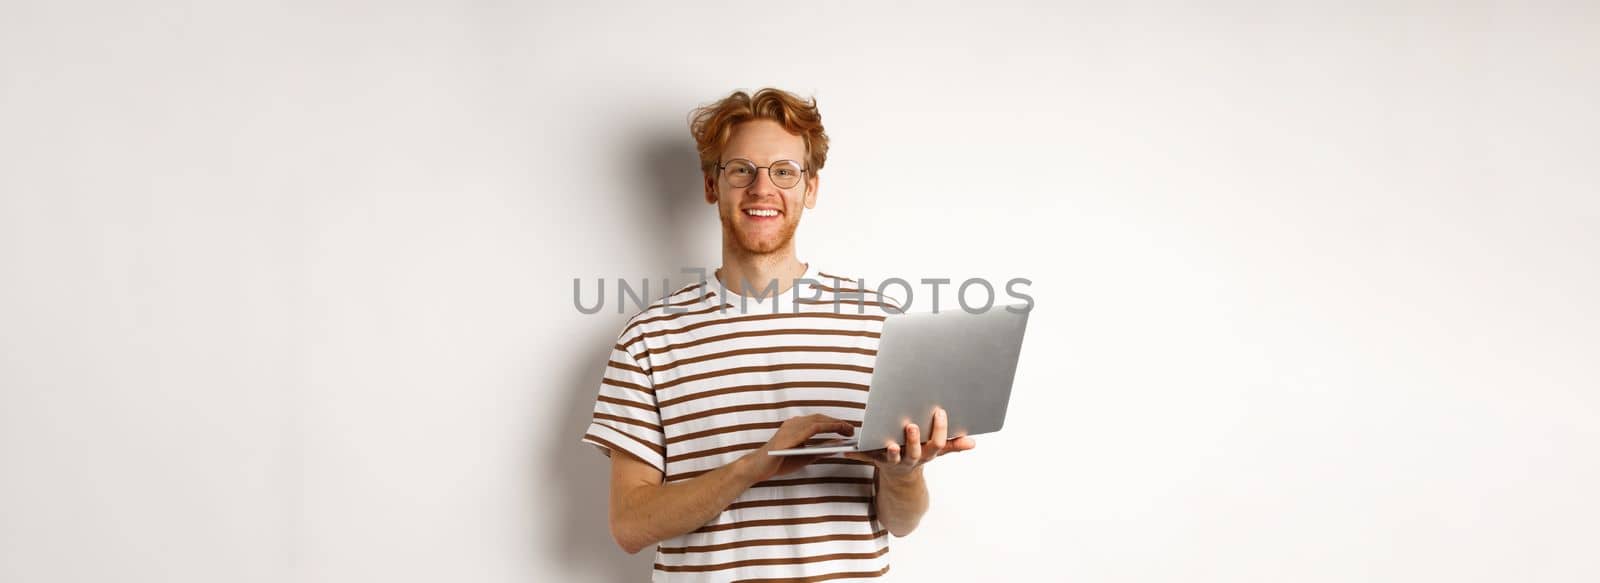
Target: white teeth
761,212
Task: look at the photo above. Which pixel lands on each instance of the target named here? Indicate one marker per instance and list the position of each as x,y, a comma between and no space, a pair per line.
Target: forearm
649,514
902,501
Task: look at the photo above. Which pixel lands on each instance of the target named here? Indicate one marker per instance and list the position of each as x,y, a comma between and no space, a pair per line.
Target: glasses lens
739,173
785,173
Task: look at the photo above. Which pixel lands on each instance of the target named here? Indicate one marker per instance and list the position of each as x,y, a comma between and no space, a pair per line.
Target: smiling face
760,219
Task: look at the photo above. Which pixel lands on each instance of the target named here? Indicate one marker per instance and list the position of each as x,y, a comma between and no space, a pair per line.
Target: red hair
713,124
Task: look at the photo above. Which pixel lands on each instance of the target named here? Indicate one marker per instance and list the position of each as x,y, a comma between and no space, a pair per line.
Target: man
701,385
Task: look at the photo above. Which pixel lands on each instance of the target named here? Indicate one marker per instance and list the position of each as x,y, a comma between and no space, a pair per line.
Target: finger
821,417
936,433
840,427
803,422
913,444
962,443
891,454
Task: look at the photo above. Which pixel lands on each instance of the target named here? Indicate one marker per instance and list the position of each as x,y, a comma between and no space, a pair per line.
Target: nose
762,186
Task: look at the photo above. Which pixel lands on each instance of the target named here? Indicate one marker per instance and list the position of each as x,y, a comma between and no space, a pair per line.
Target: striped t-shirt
695,387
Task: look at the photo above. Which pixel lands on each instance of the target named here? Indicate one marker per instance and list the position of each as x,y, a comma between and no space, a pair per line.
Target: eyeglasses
741,172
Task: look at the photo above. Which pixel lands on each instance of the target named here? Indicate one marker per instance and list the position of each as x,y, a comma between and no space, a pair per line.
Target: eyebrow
801,159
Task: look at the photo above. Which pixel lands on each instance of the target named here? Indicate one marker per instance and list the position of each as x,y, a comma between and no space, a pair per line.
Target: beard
754,243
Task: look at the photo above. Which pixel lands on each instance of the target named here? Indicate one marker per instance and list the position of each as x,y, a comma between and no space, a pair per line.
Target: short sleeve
625,413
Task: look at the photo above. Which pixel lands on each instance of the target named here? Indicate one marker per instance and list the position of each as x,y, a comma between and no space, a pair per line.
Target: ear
711,188
811,191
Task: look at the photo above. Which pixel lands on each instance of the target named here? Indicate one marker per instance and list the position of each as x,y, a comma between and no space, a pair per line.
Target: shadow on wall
671,223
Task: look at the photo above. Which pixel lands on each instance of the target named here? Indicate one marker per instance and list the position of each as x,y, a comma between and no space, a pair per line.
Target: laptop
958,360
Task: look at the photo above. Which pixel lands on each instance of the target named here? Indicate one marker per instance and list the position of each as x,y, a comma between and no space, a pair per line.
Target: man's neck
759,271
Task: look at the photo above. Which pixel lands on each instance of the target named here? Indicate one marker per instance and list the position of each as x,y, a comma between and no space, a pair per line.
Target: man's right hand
794,433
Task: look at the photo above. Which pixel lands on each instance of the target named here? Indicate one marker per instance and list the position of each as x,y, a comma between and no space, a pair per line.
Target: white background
287,287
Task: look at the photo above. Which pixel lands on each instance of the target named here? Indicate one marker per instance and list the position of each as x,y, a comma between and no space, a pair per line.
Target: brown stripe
820,578
764,368
615,447
762,407
627,385
626,403
728,429
827,461
603,441
679,293
674,316
776,561
766,542
766,387
758,333
810,481
889,301
785,522
739,447
628,420
625,366
844,289
620,348
733,428
766,350
688,475
835,277
754,318
850,303
798,501
713,451
653,447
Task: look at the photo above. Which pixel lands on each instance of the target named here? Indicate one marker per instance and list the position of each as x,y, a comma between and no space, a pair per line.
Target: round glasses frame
734,182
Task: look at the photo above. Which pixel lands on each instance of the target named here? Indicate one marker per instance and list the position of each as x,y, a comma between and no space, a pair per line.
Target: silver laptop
958,360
